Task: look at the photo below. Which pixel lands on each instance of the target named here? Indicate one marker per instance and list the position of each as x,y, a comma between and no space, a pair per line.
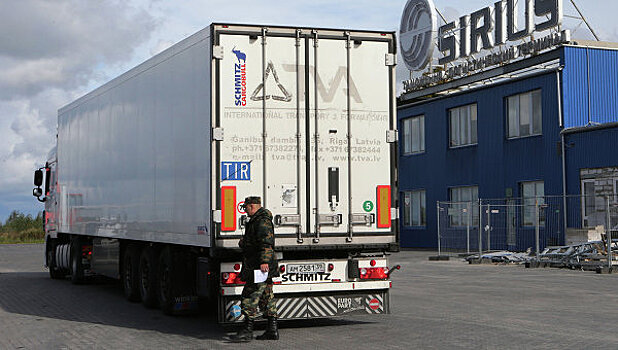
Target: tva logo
240,78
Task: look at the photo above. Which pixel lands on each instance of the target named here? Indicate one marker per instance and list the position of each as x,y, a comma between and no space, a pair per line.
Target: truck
147,178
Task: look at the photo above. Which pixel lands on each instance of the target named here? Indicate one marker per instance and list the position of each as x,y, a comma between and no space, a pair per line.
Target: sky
53,51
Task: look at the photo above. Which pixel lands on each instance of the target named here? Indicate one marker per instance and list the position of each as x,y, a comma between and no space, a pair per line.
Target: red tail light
231,278
374,273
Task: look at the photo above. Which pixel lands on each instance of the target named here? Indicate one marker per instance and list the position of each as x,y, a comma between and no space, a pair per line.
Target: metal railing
526,224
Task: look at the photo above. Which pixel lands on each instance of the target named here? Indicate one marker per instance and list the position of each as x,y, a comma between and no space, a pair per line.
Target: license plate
305,268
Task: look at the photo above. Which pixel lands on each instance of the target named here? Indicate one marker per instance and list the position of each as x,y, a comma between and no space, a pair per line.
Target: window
414,209
531,191
462,125
524,114
463,198
414,135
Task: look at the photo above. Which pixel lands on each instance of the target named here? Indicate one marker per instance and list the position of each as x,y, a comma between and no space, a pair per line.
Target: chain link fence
525,224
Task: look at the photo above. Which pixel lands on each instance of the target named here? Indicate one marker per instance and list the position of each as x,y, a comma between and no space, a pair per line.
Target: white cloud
50,53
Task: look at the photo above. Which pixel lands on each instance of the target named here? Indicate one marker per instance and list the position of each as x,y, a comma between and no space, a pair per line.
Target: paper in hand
259,276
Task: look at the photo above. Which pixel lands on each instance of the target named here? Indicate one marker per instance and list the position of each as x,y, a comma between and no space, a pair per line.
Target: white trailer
146,181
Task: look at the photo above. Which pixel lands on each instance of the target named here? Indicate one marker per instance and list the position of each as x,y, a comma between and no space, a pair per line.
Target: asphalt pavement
434,304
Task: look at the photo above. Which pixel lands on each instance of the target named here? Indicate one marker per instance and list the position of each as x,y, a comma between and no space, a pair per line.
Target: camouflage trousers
258,295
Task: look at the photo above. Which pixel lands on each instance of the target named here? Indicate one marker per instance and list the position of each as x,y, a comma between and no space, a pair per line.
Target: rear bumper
315,287
315,305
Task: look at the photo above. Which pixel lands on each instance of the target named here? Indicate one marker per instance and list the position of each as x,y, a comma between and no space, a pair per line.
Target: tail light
229,278
373,273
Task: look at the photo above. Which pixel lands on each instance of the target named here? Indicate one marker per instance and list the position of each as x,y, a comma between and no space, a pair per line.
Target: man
258,246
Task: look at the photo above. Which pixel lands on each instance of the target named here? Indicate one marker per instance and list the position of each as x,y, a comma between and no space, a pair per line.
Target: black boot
272,333
245,334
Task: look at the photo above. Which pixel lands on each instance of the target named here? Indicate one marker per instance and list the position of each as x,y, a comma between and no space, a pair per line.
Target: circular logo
417,33
239,207
368,206
374,304
235,311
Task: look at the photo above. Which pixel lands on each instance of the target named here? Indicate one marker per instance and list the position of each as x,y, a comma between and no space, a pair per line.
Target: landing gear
77,267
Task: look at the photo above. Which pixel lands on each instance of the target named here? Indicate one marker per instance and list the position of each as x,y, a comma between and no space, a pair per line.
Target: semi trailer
147,179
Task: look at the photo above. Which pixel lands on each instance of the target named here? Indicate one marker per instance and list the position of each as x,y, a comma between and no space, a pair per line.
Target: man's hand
264,267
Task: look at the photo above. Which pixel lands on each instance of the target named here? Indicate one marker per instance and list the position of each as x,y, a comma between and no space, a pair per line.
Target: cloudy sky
54,51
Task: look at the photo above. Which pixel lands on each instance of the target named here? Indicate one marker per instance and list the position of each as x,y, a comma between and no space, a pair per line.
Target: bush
21,228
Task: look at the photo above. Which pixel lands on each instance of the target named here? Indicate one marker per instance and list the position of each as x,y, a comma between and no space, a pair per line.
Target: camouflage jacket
258,245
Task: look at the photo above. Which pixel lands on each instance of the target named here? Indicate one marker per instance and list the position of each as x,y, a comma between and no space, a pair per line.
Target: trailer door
338,186
349,107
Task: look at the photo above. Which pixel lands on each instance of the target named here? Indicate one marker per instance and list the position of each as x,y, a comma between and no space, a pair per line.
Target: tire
77,269
148,281
167,281
130,273
54,272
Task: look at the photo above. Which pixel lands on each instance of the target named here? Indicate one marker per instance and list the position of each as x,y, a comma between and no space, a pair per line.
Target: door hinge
217,52
394,213
217,134
391,136
216,216
390,59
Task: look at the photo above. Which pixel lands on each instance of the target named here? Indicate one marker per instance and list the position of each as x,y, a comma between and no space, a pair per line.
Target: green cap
253,200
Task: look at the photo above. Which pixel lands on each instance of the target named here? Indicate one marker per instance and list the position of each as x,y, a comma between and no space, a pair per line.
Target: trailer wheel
166,281
77,268
148,277
130,273
54,271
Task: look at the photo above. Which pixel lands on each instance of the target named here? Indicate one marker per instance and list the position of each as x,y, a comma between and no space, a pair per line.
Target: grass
31,235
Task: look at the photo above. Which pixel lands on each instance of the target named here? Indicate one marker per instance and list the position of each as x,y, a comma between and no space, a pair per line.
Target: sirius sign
485,29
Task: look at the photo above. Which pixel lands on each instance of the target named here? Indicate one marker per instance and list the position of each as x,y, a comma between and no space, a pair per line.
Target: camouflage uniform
258,248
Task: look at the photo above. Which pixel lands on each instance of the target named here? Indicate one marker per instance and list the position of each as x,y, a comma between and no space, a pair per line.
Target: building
542,127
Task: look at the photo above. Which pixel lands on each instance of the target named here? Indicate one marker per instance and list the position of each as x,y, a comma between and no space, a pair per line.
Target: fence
520,224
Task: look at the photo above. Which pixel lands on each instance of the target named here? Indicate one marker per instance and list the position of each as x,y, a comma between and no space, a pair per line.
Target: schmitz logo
418,33
240,78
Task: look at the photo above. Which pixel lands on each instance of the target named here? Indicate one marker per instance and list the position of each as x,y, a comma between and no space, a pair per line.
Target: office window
462,125
531,191
414,135
524,114
464,199
414,208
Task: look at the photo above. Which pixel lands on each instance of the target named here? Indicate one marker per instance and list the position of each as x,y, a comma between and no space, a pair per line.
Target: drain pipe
563,151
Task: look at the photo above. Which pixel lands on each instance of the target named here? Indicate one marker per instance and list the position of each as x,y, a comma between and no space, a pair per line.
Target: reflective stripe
228,208
384,206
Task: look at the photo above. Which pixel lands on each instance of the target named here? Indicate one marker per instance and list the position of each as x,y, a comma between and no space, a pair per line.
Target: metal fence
521,224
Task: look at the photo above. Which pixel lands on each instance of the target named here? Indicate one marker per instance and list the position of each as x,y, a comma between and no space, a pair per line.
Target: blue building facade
505,140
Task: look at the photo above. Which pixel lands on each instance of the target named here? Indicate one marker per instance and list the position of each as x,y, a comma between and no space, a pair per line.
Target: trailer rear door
331,86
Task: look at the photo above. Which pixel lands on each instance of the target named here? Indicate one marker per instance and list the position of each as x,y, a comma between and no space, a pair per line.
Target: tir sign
462,38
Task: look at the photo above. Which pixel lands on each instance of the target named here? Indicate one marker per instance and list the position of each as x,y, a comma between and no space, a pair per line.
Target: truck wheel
148,277
77,268
54,271
130,273
166,281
